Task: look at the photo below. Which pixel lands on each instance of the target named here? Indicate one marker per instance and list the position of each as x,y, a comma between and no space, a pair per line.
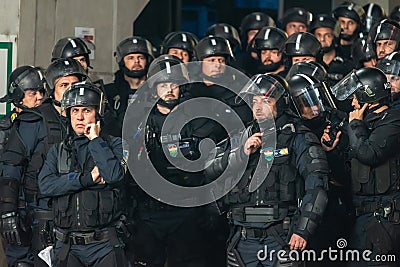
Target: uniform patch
281,152
268,153
13,116
173,150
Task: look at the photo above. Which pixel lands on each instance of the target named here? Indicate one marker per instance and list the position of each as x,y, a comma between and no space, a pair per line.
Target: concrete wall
38,24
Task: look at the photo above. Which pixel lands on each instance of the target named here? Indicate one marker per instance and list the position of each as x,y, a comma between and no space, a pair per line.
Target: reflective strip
226,29
134,41
298,39
213,42
184,38
72,42
369,13
266,35
307,78
168,67
81,91
258,17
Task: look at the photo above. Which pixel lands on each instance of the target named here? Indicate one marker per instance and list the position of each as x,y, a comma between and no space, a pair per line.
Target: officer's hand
92,130
326,137
252,144
358,114
13,229
96,176
297,242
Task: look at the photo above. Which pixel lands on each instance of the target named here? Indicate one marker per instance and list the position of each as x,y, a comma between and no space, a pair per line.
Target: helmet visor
347,86
309,103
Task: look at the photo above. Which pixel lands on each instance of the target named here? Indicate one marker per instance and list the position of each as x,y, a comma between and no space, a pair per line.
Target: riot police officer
247,60
133,56
26,90
84,176
296,19
303,46
269,43
351,19
179,44
163,233
228,32
29,141
73,47
385,36
374,151
307,94
267,217
323,27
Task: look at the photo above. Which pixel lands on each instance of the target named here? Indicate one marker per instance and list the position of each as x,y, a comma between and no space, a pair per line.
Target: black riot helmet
395,14
303,44
182,40
369,84
134,45
63,67
386,29
351,11
213,46
362,51
226,31
254,21
374,13
85,95
296,14
167,69
308,68
390,64
322,21
21,79
70,47
270,38
305,91
270,86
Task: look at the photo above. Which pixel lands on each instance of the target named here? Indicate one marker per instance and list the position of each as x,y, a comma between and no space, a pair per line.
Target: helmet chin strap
170,104
133,73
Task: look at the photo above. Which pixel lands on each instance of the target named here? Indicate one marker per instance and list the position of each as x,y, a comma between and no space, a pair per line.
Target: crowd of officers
324,90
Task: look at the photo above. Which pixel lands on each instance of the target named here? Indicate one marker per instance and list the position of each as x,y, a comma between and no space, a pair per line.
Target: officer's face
302,59
355,103
264,108
394,82
213,65
135,61
325,36
270,56
80,117
63,84
32,98
82,60
310,112
180,53
168,91
293,27
370,63
250,35
348,26
385,47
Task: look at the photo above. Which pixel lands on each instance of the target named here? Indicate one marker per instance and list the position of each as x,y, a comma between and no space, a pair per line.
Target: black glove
13,229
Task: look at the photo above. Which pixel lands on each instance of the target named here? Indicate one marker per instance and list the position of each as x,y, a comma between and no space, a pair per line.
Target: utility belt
261,214
389,210
82,238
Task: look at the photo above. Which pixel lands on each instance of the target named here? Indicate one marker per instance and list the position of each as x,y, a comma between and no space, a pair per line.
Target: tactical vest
55,132
97,206
281,188
381,180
